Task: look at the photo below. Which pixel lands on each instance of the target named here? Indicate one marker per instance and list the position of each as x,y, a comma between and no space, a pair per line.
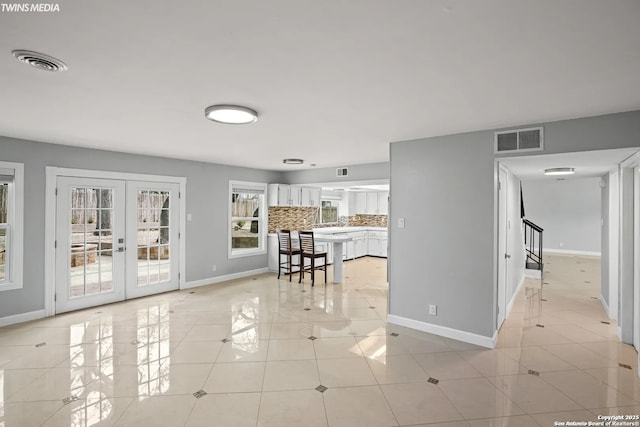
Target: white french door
152,238
115,240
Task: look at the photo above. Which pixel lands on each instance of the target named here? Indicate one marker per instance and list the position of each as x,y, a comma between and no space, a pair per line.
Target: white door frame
52,174
629,287
503,244
636,262
614,242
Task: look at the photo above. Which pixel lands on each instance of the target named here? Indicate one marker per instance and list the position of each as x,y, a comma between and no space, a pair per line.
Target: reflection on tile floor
261,358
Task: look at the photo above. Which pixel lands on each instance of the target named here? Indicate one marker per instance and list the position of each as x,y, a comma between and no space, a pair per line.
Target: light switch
400,222
189,217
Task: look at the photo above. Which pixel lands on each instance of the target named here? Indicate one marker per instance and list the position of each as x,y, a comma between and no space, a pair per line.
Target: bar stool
308,248
284,241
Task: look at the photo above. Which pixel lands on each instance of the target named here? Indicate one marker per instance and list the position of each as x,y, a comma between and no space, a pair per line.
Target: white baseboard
22,317
605,306
227,277
444,331
570,252
514,296
619,334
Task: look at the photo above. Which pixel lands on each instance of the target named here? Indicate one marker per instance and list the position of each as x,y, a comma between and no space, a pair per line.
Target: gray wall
206,199
444,187
569,211
361,172
604,239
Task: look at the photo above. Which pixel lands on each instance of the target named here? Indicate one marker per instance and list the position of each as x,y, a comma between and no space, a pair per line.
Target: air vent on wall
530,139
342,172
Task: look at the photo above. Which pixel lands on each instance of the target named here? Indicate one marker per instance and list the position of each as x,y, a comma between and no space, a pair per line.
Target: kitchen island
340,243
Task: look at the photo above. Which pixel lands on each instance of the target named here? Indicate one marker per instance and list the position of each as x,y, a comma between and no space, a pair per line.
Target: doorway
115,238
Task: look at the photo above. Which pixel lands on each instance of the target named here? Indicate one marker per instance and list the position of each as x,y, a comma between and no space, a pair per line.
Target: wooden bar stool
284,241
308,248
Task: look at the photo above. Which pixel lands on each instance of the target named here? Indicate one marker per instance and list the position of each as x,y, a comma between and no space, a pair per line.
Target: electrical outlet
433,309
214,268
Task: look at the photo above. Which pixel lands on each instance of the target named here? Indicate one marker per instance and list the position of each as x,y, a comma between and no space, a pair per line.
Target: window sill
247,253
10,286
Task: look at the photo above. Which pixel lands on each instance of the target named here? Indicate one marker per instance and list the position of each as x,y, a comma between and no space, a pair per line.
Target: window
247,219
11,200
329,211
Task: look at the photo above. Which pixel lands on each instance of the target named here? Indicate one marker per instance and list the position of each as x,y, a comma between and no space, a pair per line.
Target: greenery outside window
11,212
247,219
329,211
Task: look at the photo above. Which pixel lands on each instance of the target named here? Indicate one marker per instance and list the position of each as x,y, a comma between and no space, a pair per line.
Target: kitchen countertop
348,229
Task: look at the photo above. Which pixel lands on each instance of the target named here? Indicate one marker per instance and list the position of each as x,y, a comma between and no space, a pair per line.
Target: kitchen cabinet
383,203
294,195
311,196
371,203
377,243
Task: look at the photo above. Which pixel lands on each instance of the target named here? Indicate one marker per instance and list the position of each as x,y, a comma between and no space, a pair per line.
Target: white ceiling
334,81
586,163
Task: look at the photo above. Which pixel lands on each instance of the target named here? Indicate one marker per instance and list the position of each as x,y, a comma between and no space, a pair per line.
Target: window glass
247,219
11,176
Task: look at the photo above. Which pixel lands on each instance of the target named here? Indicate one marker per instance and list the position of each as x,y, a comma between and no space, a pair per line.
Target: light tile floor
258,349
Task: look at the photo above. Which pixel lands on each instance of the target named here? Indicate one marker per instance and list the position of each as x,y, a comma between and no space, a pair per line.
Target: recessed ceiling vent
530,139
342,172
39,60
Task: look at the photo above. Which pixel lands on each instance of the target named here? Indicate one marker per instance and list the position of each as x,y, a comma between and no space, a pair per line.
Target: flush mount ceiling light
559,171
293,161
39,60
231,114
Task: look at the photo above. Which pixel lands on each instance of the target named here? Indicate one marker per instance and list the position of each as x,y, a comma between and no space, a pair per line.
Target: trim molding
22,317
227,277
605,306
571,252
456,334
513,297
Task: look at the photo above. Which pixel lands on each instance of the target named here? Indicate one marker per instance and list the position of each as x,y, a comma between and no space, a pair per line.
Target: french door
115,240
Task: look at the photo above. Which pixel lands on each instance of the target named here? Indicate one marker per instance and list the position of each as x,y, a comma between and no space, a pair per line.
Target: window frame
262,220
15,229
336,206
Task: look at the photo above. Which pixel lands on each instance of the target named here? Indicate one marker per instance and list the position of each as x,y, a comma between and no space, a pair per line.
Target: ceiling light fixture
559,171
39,60
231,114
293,161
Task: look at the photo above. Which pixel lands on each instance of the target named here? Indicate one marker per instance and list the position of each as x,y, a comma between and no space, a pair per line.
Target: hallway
265,352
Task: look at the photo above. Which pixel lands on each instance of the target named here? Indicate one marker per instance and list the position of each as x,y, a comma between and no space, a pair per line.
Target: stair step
533,266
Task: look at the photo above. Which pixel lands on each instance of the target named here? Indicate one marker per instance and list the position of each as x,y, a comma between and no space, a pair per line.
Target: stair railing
533,242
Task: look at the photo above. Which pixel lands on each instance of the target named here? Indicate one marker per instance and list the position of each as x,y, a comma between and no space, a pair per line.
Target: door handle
507,256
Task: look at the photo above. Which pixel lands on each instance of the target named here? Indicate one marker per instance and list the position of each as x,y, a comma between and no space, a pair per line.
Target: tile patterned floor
247,352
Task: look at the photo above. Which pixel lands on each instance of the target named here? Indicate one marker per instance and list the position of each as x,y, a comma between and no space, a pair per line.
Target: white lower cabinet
366,242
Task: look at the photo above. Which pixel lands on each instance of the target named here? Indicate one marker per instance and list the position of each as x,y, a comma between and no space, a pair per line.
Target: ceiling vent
342,172
39,60
517,140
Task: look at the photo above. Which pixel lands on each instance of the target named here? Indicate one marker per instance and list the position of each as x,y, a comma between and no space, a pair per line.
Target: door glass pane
91,246
153,236
4,220
3,255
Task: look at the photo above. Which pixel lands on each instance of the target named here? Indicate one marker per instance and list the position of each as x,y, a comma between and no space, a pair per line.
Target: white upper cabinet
311,196
372,203
383,203
293,195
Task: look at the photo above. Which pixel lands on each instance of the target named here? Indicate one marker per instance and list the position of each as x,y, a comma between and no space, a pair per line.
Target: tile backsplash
305,218
365,220
292,217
